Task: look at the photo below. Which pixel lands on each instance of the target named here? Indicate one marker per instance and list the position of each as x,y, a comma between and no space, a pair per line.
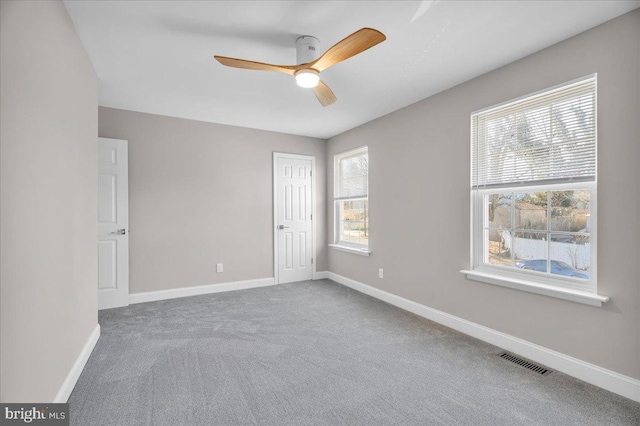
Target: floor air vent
524,363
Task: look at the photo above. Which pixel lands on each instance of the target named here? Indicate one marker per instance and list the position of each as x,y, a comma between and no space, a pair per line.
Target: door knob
282,227
119,232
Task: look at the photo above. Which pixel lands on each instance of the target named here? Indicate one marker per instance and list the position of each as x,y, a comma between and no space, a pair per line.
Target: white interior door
293,214
113,223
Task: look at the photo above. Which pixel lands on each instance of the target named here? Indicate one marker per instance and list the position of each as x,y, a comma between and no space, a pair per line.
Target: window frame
535,277
338,243
555,285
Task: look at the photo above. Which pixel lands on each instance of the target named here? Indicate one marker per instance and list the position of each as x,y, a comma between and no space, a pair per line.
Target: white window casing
351,190
540,145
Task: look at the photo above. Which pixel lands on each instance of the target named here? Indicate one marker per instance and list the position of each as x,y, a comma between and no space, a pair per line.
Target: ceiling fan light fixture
310,65
307,78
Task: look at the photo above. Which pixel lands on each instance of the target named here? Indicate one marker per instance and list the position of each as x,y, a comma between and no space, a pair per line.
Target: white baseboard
74,374
590,373
322,275
152,296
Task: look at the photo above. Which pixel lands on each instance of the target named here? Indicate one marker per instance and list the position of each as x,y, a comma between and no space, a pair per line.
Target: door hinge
312,260
310,173
311,217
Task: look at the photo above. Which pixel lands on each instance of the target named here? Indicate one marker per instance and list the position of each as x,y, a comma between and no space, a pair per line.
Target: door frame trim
276,156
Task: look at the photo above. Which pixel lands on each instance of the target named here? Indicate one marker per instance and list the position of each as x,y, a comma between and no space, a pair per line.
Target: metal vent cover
540,369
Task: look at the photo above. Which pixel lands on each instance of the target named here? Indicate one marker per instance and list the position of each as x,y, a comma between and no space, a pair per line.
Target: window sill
358,251
533,287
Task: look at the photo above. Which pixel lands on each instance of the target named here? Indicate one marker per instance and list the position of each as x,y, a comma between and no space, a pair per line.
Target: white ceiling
157,56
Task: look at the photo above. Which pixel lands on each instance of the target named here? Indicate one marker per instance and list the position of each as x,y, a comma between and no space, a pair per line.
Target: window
533,186
351,198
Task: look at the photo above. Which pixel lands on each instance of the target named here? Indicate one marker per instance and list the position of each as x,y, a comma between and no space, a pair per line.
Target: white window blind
544,138
352,175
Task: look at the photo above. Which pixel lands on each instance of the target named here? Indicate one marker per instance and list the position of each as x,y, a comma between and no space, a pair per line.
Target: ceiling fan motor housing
307,49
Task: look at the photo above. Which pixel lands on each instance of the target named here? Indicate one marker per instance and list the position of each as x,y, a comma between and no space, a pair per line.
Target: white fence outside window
576,255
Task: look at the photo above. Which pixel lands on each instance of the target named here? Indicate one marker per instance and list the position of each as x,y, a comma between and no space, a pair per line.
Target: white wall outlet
219,267
380,273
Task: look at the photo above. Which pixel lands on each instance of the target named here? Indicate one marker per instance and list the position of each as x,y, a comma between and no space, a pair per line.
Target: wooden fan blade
252,65
324,94
350,46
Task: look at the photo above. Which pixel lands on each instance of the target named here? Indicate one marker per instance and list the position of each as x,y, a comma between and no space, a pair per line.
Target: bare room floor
314,353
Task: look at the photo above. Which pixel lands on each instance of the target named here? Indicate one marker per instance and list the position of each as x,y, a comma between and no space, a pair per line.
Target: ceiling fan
310,65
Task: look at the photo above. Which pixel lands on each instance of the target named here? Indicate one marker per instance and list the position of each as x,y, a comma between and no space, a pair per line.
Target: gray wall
201,193
420,203
48,187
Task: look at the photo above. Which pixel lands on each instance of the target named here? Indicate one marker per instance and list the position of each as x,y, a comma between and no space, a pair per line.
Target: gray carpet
314,353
